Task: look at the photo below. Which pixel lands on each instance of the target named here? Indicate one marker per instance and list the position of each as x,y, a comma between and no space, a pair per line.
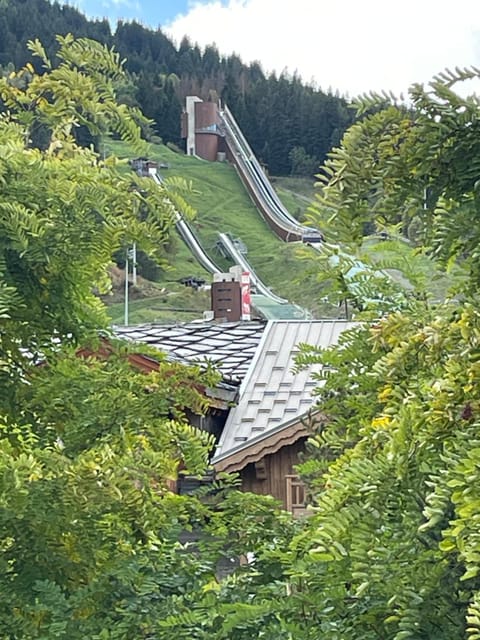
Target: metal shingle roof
271,394
230,345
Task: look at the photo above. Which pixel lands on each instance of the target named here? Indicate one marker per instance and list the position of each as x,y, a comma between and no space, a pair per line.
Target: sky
349,46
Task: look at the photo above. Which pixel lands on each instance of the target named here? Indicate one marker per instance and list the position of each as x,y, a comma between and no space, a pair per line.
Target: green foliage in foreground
392,550
64,212
415,169
90,532
392,479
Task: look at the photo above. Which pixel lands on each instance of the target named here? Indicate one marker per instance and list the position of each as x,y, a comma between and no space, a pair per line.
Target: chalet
264,430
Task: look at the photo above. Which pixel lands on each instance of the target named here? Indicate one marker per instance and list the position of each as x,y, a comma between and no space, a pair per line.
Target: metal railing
254,175
239,259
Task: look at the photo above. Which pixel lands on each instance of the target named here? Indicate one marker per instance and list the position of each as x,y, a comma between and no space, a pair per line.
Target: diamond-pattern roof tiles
230,345
272,394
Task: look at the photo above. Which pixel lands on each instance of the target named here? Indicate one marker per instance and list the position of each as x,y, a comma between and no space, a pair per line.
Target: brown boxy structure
226,300
230,295
200,127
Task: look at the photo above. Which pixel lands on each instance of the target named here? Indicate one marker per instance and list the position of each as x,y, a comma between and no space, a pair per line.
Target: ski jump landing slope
259,187
264,300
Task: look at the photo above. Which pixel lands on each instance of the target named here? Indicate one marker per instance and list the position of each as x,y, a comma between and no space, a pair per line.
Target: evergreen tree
150,54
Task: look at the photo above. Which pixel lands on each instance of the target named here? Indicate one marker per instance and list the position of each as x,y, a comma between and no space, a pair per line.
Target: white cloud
129,4
350,45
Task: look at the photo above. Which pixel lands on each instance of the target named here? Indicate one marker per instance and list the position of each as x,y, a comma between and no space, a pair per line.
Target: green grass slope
222,204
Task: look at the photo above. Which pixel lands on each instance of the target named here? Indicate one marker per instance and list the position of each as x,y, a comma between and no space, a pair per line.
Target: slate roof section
271,395
230,345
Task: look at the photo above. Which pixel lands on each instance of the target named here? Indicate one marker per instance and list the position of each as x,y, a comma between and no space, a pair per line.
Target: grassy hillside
222,204
295,193
172,304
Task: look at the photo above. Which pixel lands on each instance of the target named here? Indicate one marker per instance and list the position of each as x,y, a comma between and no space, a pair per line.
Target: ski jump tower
212,134
201,127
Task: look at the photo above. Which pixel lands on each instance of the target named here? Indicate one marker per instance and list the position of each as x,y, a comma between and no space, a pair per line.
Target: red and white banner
245,295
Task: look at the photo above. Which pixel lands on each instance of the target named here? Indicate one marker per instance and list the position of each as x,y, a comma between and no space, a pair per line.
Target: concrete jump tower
202,131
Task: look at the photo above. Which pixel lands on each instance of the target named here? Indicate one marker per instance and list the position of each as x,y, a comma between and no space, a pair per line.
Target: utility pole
134,264
126,290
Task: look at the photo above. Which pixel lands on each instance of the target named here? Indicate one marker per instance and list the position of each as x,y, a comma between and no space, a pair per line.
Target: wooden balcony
296,502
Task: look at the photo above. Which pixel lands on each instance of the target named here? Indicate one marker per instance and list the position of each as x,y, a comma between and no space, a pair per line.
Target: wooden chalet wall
269,475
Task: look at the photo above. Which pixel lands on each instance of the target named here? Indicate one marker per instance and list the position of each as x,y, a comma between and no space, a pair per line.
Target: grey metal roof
230,345
271,395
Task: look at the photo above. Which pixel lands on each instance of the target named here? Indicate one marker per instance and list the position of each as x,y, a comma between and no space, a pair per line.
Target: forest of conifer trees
281,117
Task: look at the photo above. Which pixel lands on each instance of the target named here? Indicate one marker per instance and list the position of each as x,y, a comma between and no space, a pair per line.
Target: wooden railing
296,502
